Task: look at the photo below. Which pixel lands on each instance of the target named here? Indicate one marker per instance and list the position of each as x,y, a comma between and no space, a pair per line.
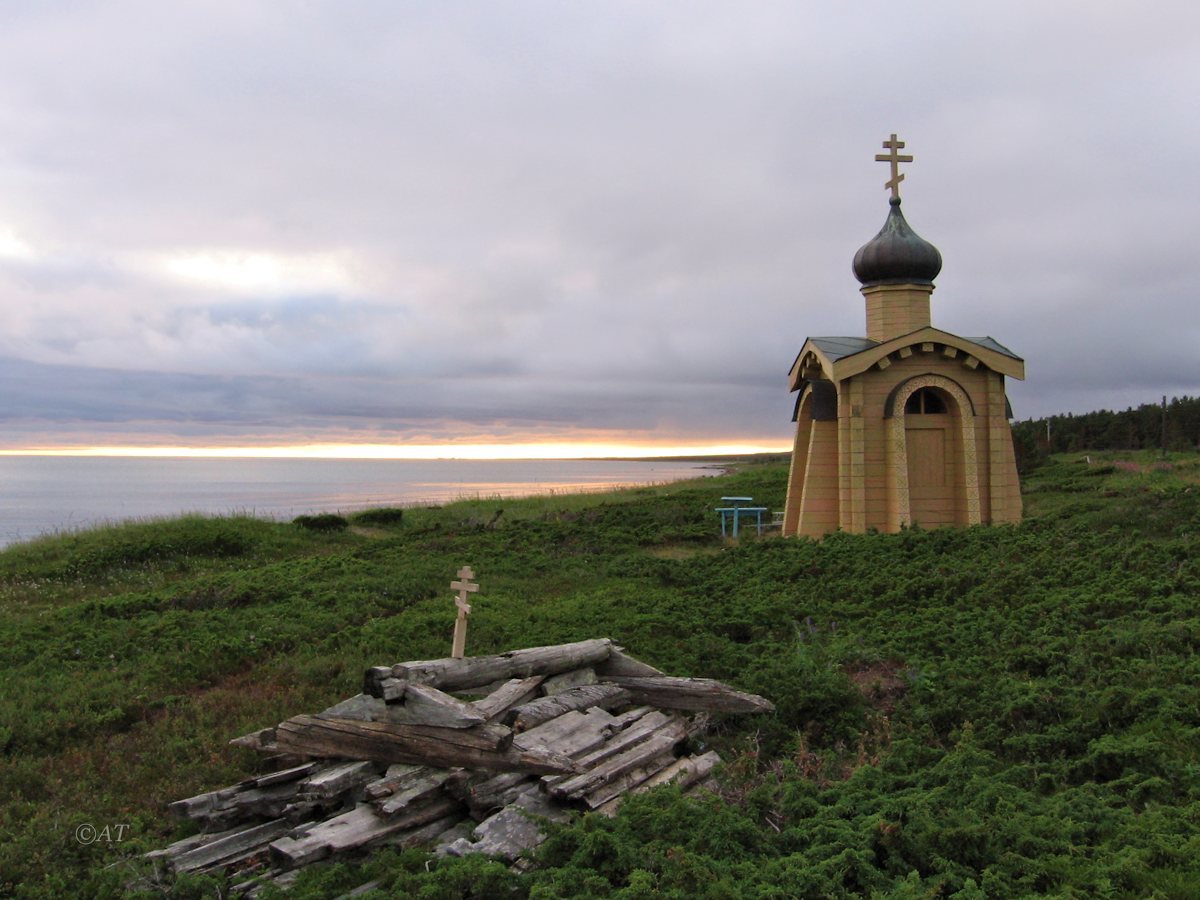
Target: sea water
50,494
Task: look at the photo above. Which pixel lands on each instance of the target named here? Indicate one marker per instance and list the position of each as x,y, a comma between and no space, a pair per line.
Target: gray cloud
493,219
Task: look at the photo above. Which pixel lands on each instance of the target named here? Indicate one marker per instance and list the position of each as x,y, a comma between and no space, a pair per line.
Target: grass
969,712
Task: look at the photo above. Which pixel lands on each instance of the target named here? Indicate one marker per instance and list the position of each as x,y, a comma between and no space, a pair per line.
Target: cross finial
895,159
464,587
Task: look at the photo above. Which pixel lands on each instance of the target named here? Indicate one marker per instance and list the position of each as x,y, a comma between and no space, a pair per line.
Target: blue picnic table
735,512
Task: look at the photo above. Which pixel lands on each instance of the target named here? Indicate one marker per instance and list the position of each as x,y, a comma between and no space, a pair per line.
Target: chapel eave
1006,363
824,351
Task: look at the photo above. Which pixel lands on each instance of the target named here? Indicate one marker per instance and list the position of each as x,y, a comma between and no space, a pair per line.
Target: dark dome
897,255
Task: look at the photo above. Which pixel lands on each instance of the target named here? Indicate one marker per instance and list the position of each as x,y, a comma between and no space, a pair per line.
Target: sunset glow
546,450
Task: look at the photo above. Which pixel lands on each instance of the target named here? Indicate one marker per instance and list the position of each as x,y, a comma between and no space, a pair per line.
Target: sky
403,226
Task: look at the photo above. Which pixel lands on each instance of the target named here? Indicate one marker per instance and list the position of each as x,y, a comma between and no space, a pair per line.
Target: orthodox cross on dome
895,159
464,587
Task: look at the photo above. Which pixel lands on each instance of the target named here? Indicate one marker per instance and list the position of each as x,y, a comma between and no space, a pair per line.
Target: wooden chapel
910,424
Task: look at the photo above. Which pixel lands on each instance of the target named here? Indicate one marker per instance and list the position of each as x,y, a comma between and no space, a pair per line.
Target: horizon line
565,450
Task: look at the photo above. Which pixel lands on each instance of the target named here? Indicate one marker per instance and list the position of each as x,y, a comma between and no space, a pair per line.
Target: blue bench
735,512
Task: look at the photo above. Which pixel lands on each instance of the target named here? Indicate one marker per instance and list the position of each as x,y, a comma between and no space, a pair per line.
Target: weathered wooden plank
571,734
618,764
451,673
230,848
684,772
184,845
426,705
339,738
512,693
543,709
360,708
295,773
396,776
199,806
564,681
356,828
619,742
414,792
422,705
431,737
668,692
617,786
621,721
339,779
392,689
262,740
621,663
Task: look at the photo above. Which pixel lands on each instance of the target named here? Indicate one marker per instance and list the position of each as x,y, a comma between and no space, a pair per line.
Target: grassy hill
984,712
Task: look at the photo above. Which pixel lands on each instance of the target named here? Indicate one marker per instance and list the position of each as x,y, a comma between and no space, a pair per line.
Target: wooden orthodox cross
895,159
464,586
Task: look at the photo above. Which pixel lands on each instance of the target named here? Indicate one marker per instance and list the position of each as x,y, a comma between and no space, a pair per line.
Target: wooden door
932,470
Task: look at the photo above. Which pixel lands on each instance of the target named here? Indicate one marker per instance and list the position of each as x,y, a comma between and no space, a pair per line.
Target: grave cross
464,586
895,159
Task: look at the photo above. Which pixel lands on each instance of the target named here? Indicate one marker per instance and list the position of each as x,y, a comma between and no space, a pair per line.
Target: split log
422,705
396,776
512,693
229,806
619,785
571,734
621,721
706,694
640,754
231,848
621,663
564,681
429,738
451,673
354,829
339,779
164,856
684,772
543,709
415,792
485,747
262,740
620,742
425,705
293,774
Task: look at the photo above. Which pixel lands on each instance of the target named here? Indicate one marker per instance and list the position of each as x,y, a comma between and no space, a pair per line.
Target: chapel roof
897,254
840,347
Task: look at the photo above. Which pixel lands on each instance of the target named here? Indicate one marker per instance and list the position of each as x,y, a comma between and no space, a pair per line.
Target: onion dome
897,255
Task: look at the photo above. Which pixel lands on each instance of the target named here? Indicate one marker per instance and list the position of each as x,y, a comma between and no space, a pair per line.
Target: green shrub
384,515
322,522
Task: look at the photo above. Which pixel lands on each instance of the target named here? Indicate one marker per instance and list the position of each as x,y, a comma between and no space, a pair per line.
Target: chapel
909,425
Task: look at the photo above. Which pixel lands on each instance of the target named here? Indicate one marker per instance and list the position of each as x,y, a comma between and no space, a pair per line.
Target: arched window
926,401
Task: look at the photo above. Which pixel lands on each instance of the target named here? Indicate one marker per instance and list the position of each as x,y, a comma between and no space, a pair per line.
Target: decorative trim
890,407
898,446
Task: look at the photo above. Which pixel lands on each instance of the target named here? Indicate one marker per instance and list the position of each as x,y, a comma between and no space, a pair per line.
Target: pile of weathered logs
538,732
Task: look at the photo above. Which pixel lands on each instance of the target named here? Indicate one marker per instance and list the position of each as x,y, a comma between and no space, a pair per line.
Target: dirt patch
882,684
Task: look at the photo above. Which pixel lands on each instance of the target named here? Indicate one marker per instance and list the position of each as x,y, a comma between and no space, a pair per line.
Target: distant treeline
1130,429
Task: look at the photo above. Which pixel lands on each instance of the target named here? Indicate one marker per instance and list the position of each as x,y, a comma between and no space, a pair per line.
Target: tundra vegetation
984,712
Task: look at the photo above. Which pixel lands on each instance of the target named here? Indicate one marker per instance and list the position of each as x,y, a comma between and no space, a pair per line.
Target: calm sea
42,494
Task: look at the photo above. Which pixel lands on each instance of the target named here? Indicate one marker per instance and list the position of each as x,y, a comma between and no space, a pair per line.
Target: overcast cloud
244,222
